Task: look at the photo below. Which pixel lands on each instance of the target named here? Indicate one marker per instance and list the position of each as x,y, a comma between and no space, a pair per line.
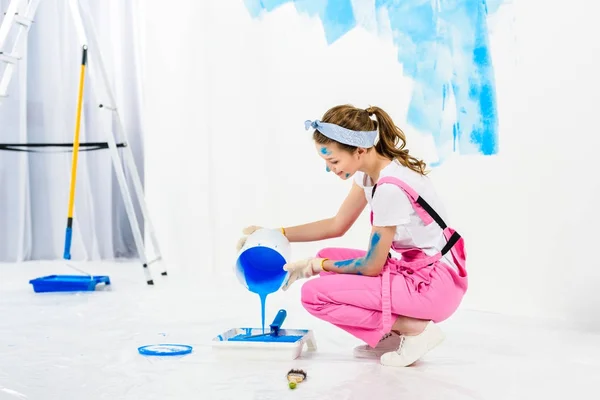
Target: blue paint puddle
263,271
269,339
444,47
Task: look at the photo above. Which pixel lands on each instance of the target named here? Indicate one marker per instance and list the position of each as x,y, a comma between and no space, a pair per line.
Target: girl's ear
360,151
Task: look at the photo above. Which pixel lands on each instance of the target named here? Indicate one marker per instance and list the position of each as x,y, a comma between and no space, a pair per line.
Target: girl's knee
313,294
308,292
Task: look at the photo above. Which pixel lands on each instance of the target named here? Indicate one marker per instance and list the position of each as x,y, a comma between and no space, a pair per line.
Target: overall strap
429,215
422,208
454,245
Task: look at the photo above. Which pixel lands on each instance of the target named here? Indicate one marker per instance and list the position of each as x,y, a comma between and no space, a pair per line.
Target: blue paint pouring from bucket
262,269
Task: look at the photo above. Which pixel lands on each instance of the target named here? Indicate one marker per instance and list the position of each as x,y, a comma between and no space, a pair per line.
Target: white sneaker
389,342
411,348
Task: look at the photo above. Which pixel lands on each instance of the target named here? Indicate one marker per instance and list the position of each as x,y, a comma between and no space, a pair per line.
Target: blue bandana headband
364,139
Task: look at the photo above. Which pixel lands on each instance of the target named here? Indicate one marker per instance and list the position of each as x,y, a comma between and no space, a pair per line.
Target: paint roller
275,326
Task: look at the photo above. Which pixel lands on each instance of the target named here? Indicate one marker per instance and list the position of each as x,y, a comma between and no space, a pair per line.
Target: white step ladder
20,14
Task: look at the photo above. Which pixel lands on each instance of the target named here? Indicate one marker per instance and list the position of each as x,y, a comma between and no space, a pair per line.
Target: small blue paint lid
165,349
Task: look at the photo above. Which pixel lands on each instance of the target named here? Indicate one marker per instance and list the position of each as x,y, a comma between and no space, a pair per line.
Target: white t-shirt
392,207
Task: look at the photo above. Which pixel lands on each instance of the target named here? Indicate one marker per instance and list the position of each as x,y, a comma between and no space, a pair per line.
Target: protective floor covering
84,346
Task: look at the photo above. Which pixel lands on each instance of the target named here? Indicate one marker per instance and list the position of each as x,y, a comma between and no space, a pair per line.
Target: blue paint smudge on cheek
327,168
347,175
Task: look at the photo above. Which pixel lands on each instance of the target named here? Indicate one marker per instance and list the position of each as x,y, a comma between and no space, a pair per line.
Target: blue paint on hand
444,47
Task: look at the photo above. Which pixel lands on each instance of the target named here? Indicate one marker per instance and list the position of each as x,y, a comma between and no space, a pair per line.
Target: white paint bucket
259,265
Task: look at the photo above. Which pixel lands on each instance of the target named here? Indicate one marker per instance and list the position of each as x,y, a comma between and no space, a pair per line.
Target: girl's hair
390,135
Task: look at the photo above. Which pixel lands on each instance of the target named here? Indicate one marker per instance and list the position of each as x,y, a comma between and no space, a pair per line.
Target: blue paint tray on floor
288,344
274,343
68,283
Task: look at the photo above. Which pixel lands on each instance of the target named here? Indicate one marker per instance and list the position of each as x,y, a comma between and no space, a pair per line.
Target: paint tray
288,344
68,283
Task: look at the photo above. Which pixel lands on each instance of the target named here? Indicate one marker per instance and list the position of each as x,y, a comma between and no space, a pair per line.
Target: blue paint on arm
373,246
357,265
444,47
346,263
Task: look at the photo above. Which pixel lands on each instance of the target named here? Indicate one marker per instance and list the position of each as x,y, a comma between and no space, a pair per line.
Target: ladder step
9,58
26,22
155,260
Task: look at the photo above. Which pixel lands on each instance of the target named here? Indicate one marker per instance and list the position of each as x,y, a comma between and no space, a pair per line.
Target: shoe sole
373,355
439,338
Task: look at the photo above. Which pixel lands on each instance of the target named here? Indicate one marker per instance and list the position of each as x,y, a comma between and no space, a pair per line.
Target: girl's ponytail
392,141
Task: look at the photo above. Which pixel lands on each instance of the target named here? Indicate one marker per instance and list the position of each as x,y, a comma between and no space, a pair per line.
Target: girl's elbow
338,230
372,270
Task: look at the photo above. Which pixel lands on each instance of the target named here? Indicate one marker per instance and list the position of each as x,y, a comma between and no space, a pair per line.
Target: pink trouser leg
353,302
326,298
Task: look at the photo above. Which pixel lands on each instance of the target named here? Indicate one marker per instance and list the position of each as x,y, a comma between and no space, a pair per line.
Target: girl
391,303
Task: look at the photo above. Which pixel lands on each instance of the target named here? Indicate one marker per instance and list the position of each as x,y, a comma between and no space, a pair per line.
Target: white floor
84,346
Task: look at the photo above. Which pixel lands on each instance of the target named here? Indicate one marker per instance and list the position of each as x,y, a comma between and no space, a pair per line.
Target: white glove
302,269
247,231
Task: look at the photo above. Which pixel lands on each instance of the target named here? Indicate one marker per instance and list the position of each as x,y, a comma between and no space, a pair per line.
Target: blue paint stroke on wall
337,16
444,47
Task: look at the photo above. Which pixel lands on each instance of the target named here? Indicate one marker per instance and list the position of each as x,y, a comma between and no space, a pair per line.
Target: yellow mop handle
67,252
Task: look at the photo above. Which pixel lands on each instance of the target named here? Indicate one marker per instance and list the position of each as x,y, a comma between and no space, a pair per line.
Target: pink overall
416,285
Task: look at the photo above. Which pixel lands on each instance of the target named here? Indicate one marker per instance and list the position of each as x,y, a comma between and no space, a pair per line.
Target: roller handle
68,238
278,321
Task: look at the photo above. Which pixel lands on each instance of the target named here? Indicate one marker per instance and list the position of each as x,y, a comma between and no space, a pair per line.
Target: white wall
227,96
